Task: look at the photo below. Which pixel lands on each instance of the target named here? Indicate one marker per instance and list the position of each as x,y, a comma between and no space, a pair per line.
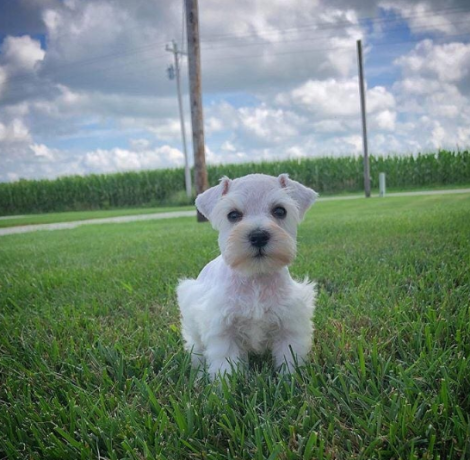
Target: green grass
55,217
422,188
92,365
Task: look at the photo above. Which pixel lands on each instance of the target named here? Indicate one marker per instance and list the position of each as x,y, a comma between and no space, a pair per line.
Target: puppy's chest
256,314
254,303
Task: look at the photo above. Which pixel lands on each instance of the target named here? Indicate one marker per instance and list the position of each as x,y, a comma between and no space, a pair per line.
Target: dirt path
170,215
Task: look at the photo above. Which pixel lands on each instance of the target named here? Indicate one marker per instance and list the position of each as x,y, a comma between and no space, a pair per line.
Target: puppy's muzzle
259,238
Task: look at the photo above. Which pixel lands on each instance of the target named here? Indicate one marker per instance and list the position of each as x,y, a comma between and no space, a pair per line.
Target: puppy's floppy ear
207,200
303,196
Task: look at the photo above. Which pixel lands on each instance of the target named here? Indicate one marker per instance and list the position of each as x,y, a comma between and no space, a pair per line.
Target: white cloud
385,120
14,132
448,63
438,135
336,98
3,80
213,125
429,15
227,156
296,152
268,124
433,94
117,159
21,53
227,146
261,125
168,130
463,136
139,144
417,86
20,58
329,126
43,151
354,142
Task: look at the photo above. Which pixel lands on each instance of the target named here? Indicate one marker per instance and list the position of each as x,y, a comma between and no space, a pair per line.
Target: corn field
166,186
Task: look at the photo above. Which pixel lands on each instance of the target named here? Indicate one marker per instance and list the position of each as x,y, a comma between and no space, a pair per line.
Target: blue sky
83,84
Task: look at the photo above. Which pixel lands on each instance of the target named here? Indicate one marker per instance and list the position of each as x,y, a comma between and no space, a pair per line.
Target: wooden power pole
194,66
364,121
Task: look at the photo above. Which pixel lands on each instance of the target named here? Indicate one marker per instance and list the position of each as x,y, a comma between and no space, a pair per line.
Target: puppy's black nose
259,238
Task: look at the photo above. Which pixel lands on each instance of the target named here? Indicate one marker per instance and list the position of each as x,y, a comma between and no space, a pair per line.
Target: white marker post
382,185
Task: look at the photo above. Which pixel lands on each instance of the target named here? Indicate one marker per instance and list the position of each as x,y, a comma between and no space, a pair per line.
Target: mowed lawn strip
57,217
92,365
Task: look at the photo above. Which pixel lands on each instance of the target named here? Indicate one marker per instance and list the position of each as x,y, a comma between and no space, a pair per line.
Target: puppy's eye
279,212
234,216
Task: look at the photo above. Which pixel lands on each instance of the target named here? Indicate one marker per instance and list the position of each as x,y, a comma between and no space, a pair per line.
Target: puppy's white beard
278,253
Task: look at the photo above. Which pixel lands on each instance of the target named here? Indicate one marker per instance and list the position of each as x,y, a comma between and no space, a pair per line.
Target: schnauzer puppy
245,300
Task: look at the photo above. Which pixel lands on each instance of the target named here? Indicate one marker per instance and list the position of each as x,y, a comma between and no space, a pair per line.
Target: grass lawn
55,217
92,365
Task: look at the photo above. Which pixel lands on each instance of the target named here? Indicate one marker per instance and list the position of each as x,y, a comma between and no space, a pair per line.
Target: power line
310,50
325,36
18,86
337,25
96,59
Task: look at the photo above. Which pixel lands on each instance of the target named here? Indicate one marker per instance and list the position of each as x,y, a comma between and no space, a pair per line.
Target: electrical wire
96,59
328,36
311,50
343,24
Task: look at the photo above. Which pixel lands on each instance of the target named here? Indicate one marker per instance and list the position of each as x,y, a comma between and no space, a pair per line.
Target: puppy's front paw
290,353
220,368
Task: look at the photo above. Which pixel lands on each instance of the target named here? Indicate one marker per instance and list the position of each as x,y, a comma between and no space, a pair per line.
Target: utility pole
174,72
194,66
364,121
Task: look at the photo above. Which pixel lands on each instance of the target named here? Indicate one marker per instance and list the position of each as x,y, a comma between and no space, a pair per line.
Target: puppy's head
257,218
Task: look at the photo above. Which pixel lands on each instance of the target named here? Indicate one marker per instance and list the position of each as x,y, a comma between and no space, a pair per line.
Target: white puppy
245,300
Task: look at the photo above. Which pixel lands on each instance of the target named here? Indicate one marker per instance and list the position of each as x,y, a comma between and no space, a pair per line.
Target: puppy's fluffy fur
245,300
